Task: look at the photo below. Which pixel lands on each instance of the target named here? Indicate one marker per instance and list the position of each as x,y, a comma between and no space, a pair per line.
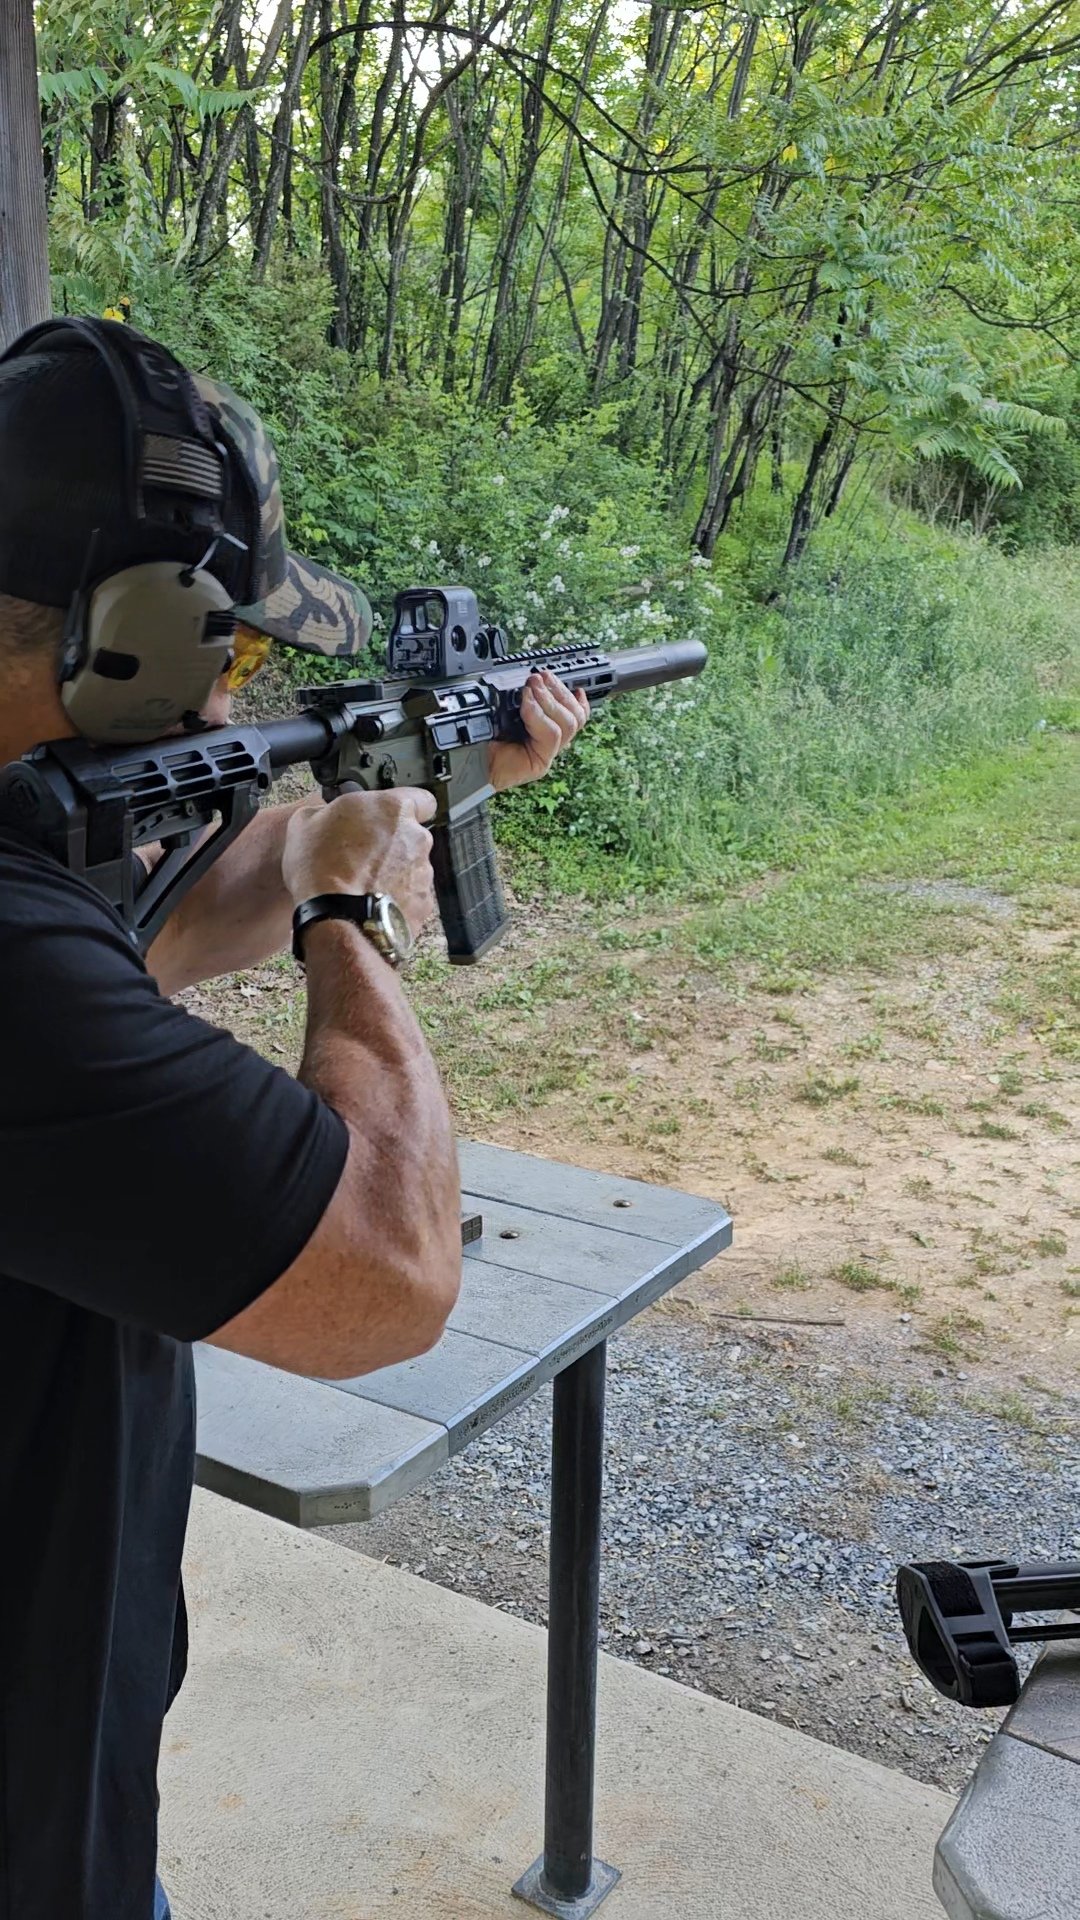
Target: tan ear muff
156,639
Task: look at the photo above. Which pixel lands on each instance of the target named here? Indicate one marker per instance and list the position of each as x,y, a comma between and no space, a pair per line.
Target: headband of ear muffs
144,643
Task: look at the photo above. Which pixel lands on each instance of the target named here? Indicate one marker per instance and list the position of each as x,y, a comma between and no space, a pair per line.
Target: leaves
725,237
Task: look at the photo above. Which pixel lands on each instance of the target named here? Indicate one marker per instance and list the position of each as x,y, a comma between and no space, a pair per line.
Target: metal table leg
566,1880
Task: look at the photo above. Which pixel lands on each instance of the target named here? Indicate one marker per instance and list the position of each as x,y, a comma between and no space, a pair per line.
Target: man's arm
380,1274
240,912
159,1173
237,915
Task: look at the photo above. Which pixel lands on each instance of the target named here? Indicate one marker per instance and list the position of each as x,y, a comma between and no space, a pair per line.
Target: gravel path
761,1488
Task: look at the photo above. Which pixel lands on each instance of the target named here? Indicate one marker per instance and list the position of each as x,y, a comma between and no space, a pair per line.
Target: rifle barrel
654,666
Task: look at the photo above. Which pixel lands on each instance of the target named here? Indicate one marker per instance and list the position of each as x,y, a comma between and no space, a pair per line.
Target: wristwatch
378,917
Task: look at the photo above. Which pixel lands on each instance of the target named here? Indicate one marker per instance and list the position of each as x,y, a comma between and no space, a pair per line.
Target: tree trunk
106,191
24,246
494,379
804,515
215,192
281,141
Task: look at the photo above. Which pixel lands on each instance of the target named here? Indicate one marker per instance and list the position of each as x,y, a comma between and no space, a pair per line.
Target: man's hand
364,843
552,716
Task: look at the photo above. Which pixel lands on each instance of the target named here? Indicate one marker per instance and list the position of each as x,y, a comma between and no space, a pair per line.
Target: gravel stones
759,1497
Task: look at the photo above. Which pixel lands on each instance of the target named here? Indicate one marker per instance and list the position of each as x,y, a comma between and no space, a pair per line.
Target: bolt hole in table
564,1257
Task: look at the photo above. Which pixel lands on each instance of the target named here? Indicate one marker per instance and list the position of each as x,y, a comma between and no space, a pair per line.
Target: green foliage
582,294
892,649
828,231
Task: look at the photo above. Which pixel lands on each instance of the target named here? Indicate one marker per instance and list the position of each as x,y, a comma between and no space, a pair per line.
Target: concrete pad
353,1743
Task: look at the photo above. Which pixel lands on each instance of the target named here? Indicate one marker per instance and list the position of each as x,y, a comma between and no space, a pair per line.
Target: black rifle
453,688
959,1621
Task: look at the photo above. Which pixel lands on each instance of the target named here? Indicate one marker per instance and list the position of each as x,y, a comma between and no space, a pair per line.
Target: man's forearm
380,1275
238,914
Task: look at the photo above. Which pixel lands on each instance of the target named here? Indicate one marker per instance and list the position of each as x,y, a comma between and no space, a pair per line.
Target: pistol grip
468,887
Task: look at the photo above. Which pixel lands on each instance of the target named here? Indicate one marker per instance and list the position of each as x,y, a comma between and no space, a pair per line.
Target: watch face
396,928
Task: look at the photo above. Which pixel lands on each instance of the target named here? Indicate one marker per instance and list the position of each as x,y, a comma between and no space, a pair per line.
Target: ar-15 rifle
453,688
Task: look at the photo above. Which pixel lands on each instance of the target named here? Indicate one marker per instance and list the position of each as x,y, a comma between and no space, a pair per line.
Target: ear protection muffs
144,645
144,649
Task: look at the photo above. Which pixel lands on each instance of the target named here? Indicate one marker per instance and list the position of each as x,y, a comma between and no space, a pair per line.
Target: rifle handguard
468,887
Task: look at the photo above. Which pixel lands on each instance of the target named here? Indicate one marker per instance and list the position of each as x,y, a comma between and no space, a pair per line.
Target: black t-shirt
155,1177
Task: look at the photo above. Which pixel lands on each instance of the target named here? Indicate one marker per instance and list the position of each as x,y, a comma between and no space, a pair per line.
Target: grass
993,1130
858,1277
791,1279
1044,998
856,1401
1015,1410
949,1332
820,1090
922,1104
1036,1110
995,822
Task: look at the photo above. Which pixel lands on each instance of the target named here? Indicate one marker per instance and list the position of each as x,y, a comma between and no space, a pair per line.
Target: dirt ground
893,1149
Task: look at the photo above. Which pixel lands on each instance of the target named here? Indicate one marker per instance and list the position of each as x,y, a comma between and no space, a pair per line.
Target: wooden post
24,246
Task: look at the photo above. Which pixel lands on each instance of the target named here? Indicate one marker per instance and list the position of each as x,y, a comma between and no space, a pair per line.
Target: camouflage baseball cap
298,602
90,447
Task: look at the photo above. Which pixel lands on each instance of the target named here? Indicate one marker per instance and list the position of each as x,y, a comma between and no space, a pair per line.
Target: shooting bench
565,1258
1011,1850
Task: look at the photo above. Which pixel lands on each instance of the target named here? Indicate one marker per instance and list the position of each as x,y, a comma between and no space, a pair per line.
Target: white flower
545,533
532,639
377,620
433,546
557,584
564,546
629,553
699,560
483,559
518,622
534,599
415,542
558,513
498,479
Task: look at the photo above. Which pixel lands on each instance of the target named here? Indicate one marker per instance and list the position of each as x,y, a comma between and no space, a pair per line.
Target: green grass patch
1036,1110
791,1279
858,1277
1042,994
820,1089
923,1104
951,1333
993,1130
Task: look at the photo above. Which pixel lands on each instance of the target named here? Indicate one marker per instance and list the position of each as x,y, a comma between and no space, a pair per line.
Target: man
160,1182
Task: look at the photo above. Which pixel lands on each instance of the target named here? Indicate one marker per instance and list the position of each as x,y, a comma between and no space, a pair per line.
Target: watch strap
358,908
